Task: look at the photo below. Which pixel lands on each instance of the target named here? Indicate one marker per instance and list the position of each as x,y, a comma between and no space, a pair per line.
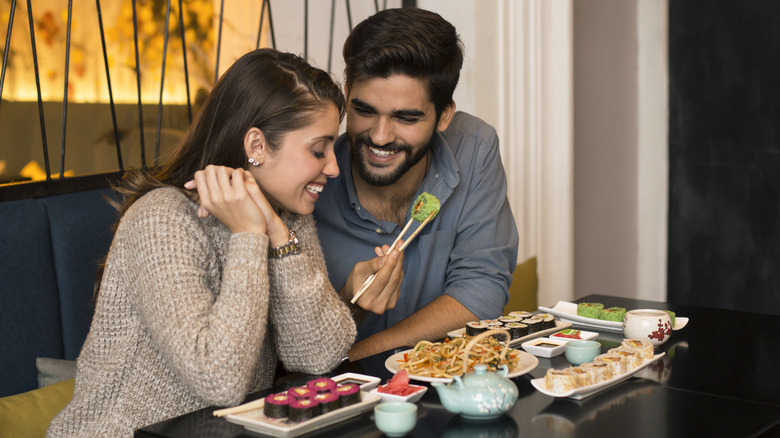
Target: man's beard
358,154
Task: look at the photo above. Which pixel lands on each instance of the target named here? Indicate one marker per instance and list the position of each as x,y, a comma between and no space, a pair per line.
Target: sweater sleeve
314,329
208,325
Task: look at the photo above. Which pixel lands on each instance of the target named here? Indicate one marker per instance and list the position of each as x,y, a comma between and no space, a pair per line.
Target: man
404,138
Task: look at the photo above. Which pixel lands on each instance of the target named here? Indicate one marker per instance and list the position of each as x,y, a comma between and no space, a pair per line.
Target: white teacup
654,326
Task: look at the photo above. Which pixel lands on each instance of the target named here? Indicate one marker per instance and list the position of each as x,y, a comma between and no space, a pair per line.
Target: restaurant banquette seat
51,246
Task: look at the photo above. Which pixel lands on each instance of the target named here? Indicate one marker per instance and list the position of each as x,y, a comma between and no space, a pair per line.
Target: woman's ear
255,145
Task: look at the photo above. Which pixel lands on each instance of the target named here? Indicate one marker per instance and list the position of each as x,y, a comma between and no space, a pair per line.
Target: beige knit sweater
190,315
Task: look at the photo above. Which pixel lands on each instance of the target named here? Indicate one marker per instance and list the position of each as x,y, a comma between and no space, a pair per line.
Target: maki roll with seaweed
548,320
276,405
616,314
589,310
534,324
474,328
516,329
522,314
510,319
328,401
349,394
300,393
321,385
303,409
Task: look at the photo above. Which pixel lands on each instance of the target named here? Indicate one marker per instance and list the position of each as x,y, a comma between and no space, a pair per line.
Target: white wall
577,92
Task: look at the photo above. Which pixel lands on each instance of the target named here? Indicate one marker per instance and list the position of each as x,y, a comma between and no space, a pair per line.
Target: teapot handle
475,340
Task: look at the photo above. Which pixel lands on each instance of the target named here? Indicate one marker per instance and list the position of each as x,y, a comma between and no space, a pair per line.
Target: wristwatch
289,248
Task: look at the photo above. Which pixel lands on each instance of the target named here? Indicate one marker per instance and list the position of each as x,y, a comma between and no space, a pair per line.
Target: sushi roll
328,401
303,409
616,363
425,205
548,320
616,314
522,314
321,385
560,380
516,329
509,319
642,347
349,394
474,328
582,377
589,310
276,405
300,393
631,357
534,324
599,372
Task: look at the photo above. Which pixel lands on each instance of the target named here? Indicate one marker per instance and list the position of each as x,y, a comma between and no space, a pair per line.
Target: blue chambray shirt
468,251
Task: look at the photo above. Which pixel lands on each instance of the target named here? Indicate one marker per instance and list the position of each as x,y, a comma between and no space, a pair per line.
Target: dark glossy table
719,378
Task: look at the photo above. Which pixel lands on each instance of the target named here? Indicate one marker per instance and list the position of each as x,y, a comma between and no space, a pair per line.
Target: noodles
445,359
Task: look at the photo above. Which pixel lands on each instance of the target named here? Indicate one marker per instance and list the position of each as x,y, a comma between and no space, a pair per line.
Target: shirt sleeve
208,327
314,329
485,249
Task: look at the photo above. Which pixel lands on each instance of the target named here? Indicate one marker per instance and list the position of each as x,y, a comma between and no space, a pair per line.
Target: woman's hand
233,197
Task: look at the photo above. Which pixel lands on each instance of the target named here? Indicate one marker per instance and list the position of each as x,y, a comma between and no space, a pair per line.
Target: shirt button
378,231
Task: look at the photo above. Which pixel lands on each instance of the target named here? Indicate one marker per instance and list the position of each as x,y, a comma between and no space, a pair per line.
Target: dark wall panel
724,154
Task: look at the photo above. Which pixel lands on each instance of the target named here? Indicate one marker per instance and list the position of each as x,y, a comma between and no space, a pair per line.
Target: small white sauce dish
411,398
545,347
366,383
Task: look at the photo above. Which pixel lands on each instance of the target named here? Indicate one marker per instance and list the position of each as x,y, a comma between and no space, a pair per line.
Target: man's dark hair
409,41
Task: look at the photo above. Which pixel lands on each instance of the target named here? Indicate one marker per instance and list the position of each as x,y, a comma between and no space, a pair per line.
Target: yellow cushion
28,414
524,287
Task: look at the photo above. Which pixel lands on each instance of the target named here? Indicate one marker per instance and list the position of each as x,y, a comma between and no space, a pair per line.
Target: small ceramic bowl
544,347
411,398
580,352
395,419
650,325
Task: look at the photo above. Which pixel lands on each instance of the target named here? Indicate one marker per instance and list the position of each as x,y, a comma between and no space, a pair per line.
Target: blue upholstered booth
51,247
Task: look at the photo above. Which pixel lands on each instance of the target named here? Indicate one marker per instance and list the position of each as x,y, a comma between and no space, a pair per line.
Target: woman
205,288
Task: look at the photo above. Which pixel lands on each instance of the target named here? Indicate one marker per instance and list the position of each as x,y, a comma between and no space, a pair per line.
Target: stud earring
253,162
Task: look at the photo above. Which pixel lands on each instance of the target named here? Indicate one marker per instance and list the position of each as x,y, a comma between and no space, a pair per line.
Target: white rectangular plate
568,312
587,391
281,427
559,325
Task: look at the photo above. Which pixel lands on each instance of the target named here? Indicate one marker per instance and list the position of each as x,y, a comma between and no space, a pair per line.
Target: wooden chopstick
250,406
370,279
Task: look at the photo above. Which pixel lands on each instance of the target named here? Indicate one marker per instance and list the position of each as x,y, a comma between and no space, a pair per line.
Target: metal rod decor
138,86
349,15
271,25
63,127
376,5
162,83
184,57
38,87
306,30
219,39
330,40
7,46
110,91
260,29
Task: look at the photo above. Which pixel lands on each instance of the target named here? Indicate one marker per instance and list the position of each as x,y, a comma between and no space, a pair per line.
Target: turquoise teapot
479,395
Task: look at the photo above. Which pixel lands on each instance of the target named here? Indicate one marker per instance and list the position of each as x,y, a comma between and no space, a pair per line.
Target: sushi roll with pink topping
349,394
303,409
275,405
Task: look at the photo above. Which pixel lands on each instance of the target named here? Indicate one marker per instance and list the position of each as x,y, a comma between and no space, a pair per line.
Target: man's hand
386,288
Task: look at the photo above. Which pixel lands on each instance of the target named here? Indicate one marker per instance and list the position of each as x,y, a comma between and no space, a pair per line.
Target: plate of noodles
440,361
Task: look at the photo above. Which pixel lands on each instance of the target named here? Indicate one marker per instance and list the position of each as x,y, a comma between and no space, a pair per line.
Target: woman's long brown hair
273,91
